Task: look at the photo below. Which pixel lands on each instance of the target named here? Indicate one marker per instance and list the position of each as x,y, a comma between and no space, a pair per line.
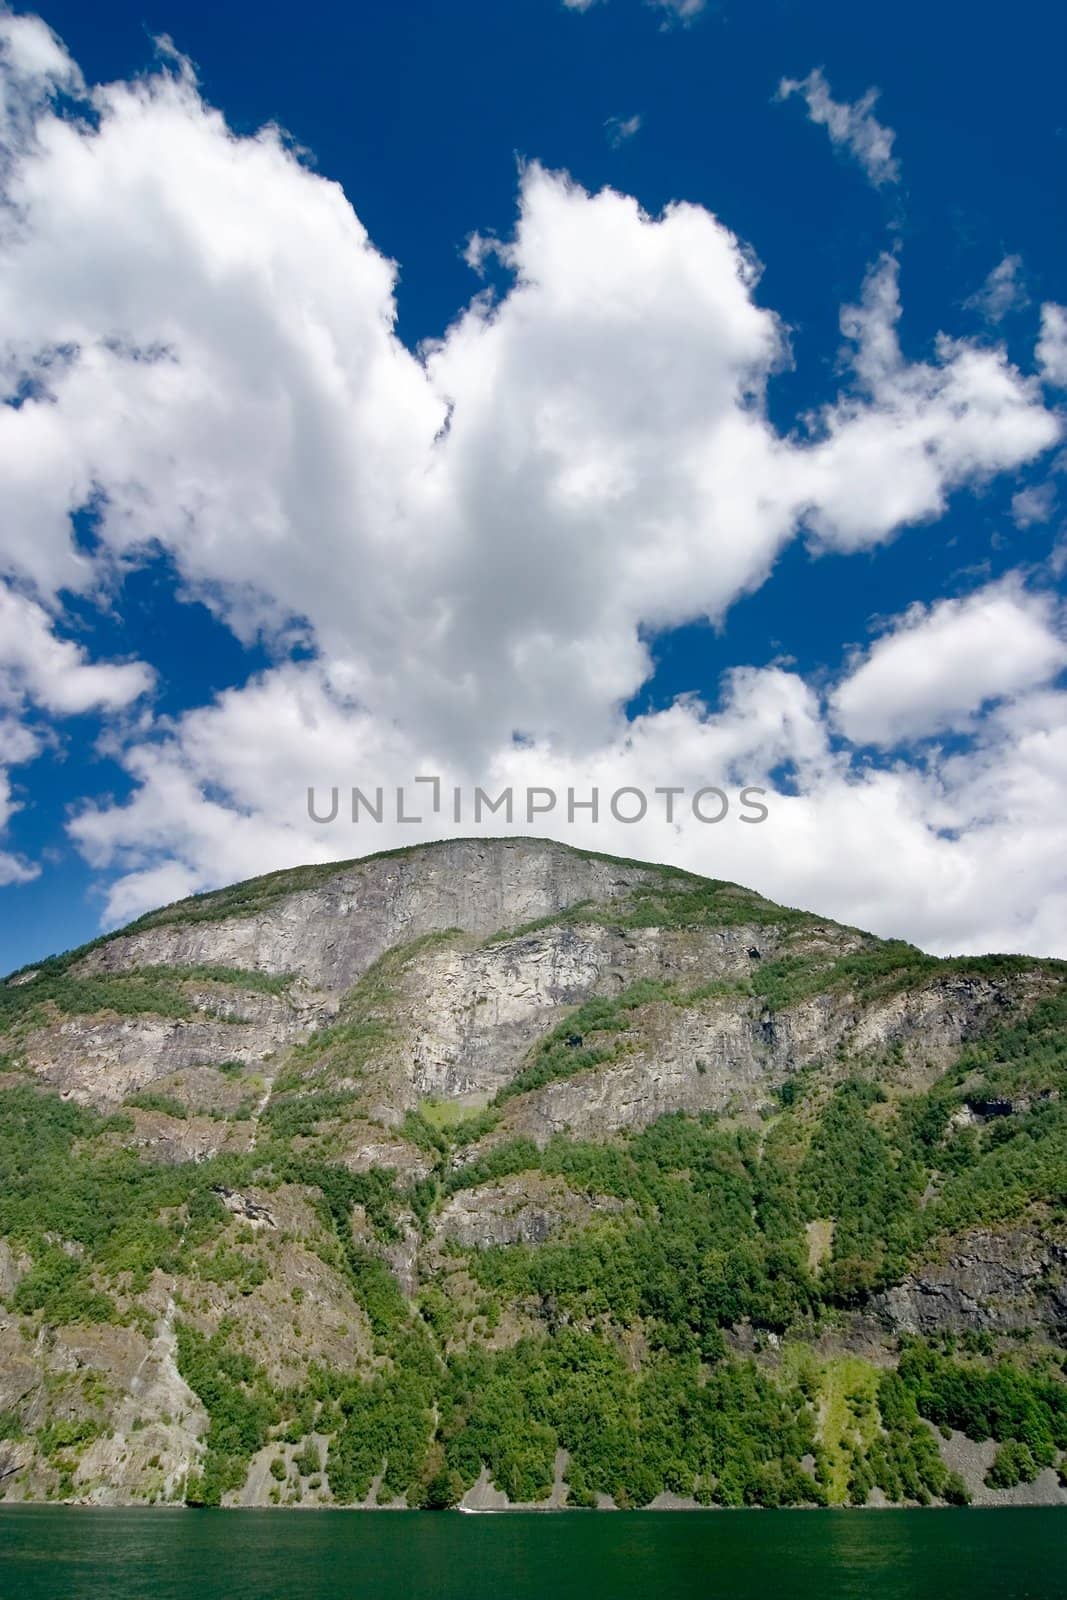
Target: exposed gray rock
973,1459
469,1015
241,1205
525,1209
330,935
726,1054
101,1060
995,1282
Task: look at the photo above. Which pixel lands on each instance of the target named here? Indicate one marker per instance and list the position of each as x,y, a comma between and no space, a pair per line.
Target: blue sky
243,551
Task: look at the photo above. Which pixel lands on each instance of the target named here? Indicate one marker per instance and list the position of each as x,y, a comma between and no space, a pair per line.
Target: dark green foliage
1013,1463
732,1437
10,1426
239,1403
230,977
852,1173
677,900
68,1433
903,1461
340,1191
115,1218
308,1461
423,1134
474,1127
59,1287
1003,1402
298,1115
517,1155
692,1262
346,1046
128,995
62,1179
385,1426
233,1267
1028,1054
588,1038
159,991
873,972
149,1100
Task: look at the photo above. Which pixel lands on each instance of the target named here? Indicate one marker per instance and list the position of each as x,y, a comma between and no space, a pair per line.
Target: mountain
493,1168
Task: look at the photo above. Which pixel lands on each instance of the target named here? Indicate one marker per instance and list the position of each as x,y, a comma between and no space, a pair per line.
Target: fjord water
51,1553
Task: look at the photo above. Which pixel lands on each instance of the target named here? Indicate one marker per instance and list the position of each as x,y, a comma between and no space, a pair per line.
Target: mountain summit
495,1171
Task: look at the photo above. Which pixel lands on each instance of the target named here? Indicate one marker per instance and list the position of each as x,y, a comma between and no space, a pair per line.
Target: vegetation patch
149,1100
240,1404
57,991
588,1038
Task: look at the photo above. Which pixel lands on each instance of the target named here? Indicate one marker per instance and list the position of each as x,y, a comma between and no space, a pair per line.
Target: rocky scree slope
498,1172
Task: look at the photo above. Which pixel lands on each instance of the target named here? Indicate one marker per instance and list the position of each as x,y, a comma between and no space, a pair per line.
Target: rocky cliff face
443,1065
331,931
1012,1282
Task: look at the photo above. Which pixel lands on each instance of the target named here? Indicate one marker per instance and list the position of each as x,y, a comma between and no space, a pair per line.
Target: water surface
59,1553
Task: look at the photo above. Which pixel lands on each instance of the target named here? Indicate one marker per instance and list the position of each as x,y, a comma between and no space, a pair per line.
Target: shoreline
519,1510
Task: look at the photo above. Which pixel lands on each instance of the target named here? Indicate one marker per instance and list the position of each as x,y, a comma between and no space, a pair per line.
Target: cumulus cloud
1051,349
17,744
197,344
481,536
55,673
33,66
938,665
13,868
41,671
965,855
851,125
894,449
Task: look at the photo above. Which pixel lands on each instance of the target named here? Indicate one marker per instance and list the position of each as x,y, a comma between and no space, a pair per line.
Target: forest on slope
303,1278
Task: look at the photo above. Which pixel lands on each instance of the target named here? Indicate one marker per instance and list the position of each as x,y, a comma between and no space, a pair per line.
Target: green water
267,1555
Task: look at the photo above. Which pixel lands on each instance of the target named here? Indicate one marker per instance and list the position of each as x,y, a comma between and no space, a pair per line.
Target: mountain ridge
493,1105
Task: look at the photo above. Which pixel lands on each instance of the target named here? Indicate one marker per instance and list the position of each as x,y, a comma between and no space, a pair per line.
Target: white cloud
620,129
1002,291
478,536
1034,504
914,431
939,665
965,856
851,125
40,670
17,744
33,64
56,673
1051,348
258,749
